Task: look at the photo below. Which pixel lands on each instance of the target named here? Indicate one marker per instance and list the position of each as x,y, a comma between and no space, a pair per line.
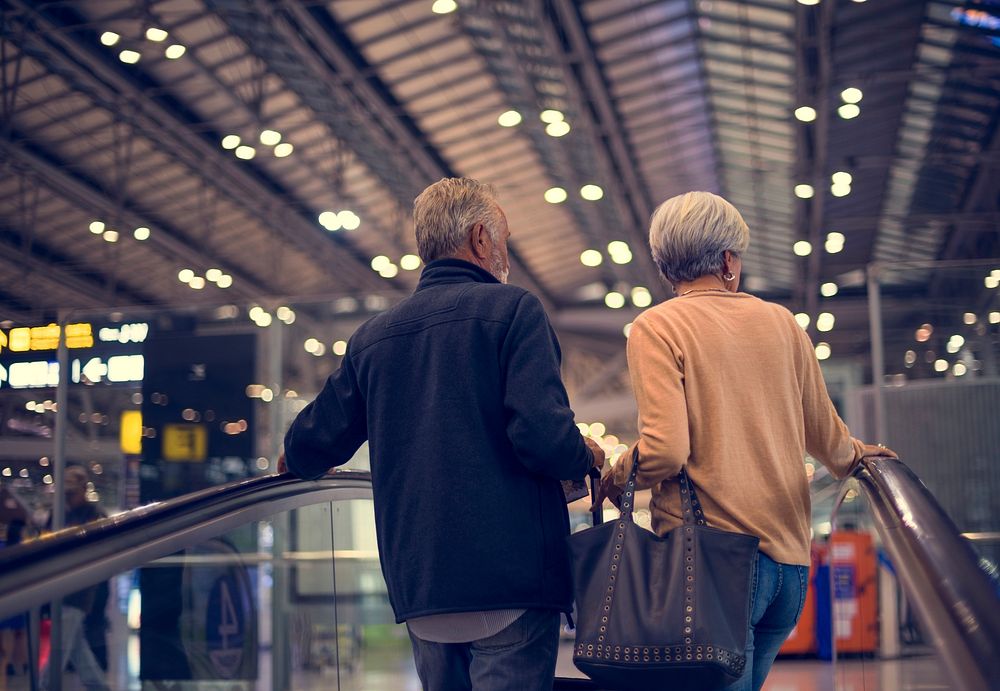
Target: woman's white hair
445,211
689,233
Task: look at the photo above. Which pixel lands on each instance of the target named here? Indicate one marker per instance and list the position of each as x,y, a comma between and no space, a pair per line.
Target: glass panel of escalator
373,650
863,617
242,610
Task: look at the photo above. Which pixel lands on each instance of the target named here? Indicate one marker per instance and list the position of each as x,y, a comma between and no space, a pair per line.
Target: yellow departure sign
185,442
25,338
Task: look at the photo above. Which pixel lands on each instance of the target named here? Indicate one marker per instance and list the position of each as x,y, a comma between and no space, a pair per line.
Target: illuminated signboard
103,361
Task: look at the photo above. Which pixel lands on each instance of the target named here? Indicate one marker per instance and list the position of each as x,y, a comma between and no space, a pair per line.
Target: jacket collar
443,271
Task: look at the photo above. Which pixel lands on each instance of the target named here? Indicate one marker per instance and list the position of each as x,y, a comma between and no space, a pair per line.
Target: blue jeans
522,657
776,600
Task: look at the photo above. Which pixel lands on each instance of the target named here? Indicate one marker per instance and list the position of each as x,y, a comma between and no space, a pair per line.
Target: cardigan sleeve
827,437
657,373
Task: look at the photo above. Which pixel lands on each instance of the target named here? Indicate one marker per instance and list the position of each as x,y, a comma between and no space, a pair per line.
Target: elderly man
457,390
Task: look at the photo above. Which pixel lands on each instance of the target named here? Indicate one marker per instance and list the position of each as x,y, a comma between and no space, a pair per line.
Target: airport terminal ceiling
214,152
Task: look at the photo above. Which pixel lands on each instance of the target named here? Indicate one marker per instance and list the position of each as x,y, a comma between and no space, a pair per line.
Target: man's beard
497,267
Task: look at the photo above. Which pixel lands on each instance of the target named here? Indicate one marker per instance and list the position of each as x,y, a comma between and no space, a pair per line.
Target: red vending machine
854,568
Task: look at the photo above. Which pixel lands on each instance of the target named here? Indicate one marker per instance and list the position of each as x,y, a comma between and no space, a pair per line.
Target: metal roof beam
164,238
107,85
386,139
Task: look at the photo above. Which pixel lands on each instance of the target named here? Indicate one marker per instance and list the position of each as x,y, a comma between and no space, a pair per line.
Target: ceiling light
339,347
851,95
991,281
329,220
802,319
349,220
828,290
389,271
225,280
213,275
270,137
245,152
409,262
839,190
185,275
969,318
940,365
802,248
823,351
97,227
994,317
310,345
591,192
557,129
230,141
141,233
641,297
255,312
825,321
283,149
155,34
265,320
174,51
614,300
550,116
841,178
591,258
284,313
111,235
627,329
809,2
380,262
555,195
804,191
834,242
129,57
805,113
618,247
197,282
109,38
509,118
849,111
444,6
910,358
959,369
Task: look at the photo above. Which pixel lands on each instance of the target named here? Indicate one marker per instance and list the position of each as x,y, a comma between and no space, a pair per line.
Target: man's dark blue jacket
457,390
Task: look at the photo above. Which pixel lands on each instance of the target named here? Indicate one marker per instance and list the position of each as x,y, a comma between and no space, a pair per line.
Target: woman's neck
709,282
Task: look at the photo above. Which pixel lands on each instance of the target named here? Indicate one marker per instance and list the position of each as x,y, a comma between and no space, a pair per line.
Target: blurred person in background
458,391
728,386
14,521
77,606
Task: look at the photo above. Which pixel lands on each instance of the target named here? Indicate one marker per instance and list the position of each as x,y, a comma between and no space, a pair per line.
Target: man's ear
479,242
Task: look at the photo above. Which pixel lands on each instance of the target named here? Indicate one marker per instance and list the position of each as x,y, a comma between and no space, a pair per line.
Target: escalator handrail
68,560
938,569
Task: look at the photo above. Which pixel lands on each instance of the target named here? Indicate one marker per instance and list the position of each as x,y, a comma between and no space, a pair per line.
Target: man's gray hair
689,233
445,211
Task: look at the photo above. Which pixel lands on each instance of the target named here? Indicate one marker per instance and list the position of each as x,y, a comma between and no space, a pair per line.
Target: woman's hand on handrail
879,450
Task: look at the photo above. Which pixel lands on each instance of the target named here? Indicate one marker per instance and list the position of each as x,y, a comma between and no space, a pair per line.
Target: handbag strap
690,504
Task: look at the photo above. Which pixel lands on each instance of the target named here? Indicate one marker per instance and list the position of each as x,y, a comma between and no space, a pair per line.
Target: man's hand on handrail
282,464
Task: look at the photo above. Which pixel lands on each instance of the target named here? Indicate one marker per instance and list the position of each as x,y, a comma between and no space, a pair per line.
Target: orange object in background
802,640
854,569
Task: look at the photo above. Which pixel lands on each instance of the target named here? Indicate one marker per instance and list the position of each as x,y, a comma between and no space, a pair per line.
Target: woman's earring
728,276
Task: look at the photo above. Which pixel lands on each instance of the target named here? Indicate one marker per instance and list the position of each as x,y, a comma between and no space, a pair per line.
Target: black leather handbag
666,612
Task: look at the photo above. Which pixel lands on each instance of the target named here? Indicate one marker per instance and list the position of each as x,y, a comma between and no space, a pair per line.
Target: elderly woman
728,386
